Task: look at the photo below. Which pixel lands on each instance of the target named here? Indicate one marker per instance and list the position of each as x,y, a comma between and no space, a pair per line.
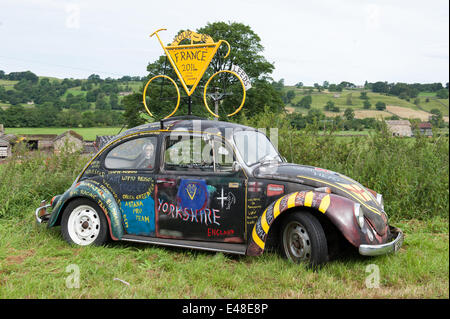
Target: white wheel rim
83,225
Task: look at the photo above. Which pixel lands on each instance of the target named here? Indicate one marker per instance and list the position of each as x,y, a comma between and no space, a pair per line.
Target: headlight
359,214
380,200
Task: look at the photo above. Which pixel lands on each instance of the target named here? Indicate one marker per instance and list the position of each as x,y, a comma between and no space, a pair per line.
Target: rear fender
338,209
99,194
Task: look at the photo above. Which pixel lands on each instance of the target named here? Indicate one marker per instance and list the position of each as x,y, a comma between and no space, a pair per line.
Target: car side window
137,153
188,153
224,156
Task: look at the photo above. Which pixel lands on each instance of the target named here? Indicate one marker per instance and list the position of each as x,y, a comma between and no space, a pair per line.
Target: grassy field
340,99
34,264
38,263
88,133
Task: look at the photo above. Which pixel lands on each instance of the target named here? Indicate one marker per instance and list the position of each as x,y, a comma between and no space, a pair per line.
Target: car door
199,195
130,167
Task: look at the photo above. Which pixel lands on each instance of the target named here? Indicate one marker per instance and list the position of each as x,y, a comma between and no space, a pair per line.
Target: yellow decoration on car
190,62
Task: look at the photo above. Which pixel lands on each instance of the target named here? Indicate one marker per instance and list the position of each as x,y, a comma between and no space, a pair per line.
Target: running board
201,245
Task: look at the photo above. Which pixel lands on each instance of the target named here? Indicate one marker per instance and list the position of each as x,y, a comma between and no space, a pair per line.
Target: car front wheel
303,239
83,223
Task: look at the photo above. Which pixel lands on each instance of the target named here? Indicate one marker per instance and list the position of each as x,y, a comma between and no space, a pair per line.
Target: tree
94,78
381,106
299,85
100,103
133,109
114,101
367,104
326,84
314,116
305,102
380,87
349,114
330,106
318,87
363,96
290,95
436,118
442,94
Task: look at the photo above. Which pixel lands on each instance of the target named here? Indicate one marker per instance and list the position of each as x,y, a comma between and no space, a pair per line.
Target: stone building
5,148
73,140
400,127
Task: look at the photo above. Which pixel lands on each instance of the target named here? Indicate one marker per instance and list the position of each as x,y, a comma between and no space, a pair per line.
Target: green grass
33,264
88,133
434,103
8,84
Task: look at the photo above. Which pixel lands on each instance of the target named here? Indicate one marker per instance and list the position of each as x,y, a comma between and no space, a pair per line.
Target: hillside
426,101
28,100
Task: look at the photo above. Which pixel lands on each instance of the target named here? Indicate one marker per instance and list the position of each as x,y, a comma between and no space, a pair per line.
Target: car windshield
254,147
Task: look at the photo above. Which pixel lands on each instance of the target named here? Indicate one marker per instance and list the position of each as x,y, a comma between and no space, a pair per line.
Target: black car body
217,186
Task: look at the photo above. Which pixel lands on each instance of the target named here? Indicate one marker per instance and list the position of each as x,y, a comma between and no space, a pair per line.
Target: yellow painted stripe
264,224
257,240
324,204
334,185
291,200
276,209
308,199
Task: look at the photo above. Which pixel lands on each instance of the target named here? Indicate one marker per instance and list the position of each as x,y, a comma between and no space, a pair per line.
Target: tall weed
29,177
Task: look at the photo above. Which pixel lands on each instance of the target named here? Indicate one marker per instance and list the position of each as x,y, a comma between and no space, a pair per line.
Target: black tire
83,223
302,239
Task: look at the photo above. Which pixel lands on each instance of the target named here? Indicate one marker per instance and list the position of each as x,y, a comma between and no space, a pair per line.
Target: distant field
8,84
319,100
434,103
88,133
407,113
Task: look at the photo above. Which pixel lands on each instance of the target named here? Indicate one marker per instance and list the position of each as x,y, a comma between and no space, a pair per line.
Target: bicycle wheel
225,83
145,93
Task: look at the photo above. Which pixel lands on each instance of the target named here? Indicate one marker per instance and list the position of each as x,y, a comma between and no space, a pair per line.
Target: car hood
339,184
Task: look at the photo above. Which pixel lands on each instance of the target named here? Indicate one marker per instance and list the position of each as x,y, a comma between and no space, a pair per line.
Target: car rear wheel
303,239
83,223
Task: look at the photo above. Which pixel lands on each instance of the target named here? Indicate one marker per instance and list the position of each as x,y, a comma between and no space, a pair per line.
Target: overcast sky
308,41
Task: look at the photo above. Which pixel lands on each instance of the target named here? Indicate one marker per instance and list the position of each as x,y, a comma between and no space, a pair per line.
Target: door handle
161,181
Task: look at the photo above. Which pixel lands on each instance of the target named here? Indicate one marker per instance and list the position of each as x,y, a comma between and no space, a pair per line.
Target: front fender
337,208
101,196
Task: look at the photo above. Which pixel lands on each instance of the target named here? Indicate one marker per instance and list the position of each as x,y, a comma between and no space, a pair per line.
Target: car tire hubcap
297,244
84,225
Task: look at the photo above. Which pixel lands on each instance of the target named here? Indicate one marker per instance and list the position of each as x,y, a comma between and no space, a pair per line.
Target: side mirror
236,167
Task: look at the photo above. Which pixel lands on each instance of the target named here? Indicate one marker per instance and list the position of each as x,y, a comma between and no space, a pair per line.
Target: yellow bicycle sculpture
190,63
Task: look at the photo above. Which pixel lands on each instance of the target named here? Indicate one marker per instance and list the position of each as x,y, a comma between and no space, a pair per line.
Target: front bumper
41,214
390,247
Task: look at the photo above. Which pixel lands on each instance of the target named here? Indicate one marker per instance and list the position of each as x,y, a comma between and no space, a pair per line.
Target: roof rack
182,117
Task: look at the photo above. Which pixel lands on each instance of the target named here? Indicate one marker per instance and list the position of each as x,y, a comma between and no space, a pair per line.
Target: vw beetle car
218,186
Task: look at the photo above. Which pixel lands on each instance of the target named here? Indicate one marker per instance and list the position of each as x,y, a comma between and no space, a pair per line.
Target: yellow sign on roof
191,61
